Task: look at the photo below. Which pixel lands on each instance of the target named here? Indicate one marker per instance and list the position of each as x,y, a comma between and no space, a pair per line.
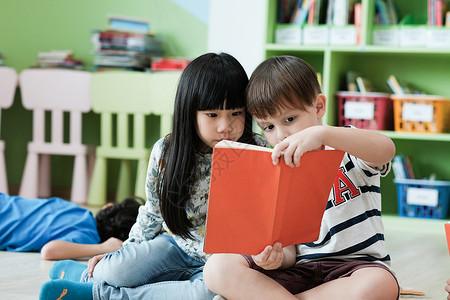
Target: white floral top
150,223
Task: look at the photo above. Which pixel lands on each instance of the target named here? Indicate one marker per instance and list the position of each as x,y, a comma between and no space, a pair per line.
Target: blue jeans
157,269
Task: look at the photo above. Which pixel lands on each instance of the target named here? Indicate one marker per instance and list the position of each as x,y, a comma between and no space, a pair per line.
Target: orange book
253,203
447,234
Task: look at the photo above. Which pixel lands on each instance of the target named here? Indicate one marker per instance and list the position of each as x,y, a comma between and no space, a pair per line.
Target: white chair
8,85
126,96
57,91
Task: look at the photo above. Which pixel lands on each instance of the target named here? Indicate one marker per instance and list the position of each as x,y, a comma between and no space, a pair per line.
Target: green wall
31,26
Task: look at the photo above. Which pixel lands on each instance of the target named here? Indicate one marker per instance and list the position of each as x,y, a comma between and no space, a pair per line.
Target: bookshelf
426,68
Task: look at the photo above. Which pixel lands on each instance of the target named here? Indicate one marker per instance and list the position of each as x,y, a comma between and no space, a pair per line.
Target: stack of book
126,44
62,59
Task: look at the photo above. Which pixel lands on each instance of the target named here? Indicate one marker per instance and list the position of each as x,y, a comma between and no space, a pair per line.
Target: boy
61,229
349,260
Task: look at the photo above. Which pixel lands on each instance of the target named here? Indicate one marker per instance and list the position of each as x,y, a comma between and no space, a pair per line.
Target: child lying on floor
61,229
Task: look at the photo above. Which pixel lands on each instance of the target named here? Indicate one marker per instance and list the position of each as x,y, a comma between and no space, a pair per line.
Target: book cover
350,78
393,84
408,166
301,12
311,12
447,234
399,167
382,11
253,203
364,85
340,12
357,11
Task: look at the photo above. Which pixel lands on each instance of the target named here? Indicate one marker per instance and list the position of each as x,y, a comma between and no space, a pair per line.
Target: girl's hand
271,257
93,262
294,146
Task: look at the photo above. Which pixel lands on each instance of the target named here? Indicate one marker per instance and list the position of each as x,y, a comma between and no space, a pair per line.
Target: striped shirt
351,227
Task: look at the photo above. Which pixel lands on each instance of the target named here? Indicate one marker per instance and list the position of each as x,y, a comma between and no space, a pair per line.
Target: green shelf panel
438,137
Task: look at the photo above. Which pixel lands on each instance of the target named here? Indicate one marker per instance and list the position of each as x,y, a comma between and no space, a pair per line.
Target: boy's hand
294,146
271,257
110,245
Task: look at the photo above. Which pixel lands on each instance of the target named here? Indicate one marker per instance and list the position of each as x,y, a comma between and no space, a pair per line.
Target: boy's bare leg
367,283
229,275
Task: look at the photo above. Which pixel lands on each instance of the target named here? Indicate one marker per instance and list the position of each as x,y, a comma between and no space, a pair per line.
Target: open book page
253,203
237,145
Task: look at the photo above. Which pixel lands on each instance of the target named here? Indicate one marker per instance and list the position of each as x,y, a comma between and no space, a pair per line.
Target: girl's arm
149,220
374,148
276,257
56,250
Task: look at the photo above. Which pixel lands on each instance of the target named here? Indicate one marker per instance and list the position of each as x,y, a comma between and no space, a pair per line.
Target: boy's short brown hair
281,82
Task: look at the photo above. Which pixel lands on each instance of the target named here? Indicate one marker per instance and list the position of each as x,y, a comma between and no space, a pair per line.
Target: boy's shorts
303,277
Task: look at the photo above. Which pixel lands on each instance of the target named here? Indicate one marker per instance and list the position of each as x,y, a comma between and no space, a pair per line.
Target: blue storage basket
423,211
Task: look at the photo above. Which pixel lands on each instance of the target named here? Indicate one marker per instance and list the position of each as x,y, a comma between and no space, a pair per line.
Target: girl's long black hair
205,84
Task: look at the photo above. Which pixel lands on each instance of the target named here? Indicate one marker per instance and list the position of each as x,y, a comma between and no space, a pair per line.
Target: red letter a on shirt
343,188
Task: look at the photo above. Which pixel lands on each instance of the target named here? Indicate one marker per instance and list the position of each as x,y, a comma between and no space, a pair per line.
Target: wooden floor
418,249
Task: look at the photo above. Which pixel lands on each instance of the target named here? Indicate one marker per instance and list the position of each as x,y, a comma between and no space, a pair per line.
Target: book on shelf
383,14
285,10
350,78
169,64
253,203
392,12
311,13
401,165
128,24
437,10
386,13
358,21
300,14
320,12
395,87
340,12
55,55
329,18
63,59
364,85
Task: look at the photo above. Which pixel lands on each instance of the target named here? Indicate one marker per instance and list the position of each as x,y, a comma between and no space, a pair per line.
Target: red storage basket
369,110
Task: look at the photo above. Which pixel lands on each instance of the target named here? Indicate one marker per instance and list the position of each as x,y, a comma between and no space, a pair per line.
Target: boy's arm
374,148
55,250
276,257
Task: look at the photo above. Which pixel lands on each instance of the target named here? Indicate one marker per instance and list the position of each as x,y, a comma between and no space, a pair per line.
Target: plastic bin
423,198
421,113
365,111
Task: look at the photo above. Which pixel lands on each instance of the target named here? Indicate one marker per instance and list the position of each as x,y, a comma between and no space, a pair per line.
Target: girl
164,254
